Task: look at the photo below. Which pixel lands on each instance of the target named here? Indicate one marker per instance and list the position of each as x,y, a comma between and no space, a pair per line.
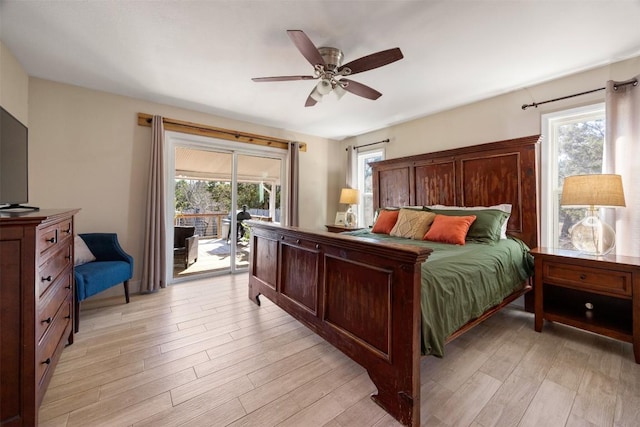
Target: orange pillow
449,229
385,222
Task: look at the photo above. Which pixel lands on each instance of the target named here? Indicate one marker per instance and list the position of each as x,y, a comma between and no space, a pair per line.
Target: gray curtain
154,263
349,173
622,151
293,218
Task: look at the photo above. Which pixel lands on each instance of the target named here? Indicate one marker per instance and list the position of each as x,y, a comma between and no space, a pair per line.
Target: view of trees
198,196
580,152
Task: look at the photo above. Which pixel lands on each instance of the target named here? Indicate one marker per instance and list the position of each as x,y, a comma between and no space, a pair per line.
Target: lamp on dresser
591,235
349,196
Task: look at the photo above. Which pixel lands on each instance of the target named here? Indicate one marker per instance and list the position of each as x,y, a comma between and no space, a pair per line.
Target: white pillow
82,253
505,207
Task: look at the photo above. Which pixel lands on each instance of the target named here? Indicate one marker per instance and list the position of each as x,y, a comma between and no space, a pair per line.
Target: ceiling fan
329,71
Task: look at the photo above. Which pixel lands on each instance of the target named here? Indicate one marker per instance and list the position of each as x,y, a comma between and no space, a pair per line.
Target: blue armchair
111,267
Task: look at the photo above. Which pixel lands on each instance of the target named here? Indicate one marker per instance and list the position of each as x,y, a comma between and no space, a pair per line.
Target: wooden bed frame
363,296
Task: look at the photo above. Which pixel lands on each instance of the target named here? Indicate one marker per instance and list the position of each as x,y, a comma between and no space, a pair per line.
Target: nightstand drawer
586,278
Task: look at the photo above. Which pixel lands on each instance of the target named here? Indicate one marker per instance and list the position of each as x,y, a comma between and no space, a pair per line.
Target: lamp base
350,218
591,236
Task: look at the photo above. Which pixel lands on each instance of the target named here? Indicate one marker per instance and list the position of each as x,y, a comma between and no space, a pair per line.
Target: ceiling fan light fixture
324,86
315,95
329,71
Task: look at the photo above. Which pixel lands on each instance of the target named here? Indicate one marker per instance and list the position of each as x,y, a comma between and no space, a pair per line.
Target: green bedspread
459,283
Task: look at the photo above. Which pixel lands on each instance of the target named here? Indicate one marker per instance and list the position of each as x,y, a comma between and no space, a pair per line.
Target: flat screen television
14,165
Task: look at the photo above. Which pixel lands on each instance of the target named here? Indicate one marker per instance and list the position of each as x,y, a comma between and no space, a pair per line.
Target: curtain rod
366,145
214,132
615,87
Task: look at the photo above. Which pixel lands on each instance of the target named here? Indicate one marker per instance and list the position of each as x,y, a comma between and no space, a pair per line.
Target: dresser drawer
65,230
52,268
587,278
53,235
47,309
53,338
47,238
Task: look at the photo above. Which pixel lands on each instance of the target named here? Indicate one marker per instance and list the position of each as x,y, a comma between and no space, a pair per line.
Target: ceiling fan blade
306,47
361,90
282,78
372,61
310,101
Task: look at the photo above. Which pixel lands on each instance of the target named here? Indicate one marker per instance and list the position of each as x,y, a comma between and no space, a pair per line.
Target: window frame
361,158
549,187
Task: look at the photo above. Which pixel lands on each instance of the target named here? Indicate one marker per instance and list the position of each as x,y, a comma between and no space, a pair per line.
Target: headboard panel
480,175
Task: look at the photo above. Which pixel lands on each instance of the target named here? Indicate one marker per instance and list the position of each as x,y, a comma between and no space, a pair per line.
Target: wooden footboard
363,297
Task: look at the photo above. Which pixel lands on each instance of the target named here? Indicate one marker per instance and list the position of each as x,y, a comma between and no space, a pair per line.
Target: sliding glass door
214,187
258,196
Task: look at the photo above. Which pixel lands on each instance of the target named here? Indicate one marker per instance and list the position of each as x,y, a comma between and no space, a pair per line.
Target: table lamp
591,235
349,196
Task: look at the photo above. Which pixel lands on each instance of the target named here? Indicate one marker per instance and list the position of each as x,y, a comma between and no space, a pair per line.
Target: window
365,184
573,143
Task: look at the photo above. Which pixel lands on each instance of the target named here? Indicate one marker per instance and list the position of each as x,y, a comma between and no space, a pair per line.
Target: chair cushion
94,277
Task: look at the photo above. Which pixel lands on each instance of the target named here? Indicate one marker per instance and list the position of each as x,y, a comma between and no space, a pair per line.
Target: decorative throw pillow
385,221
82,253
487,226
449,229
412,224
505,207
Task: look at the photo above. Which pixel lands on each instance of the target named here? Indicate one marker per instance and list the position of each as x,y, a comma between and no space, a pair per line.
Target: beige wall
496,118
14,86
87,151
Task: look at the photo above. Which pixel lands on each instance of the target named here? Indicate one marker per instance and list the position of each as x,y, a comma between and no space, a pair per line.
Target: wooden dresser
36,307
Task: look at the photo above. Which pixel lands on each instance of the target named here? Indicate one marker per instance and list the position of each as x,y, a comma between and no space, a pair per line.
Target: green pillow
486,227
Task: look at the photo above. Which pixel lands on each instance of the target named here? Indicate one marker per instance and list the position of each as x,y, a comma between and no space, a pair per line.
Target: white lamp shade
315,95
324,86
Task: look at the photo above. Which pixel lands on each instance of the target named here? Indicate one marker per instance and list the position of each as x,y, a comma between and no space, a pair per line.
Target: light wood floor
201,354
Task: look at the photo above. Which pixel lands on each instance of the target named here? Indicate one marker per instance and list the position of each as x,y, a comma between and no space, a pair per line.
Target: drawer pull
298,241
67,257
317,246
67,316
47,320
46,279
51,240
68,230
68,287
583,276
47,362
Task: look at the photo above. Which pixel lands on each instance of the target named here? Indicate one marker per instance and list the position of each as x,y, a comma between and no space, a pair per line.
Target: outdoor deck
213,256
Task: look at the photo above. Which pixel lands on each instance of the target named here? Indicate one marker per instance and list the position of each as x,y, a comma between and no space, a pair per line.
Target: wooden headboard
480,175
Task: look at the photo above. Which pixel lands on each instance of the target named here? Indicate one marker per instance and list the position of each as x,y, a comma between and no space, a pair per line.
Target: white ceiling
201,55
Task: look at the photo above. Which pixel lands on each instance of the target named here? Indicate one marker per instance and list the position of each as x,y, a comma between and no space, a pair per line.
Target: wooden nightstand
597,294
334,228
